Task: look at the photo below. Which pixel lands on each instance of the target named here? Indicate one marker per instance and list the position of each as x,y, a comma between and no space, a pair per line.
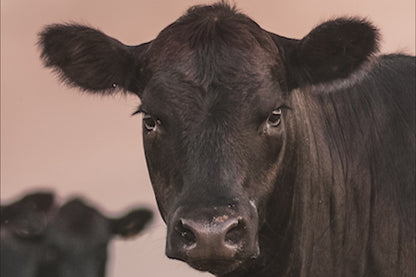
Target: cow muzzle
214,239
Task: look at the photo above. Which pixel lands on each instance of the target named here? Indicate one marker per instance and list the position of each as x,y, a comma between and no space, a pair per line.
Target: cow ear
27,217
332,50
89,59
42,201
38,201
132,223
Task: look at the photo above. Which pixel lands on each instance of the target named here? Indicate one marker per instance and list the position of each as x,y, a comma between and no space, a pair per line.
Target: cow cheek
154,169
163,193
269,163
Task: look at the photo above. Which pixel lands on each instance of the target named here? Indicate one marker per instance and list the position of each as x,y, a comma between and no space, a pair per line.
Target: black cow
23,224
40,239
268,156
77,236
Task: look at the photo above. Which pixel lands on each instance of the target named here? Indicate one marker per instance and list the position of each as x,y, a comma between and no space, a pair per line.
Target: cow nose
212,236
221,238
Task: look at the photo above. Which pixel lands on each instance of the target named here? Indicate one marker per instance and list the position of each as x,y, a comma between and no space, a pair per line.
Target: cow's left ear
330,51
132,223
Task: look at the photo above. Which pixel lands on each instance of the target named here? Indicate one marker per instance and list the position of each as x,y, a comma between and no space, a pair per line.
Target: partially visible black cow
77,237
22,228
41,239
268,156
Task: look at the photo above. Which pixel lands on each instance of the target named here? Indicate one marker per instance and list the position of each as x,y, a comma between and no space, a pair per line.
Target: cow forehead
210,54
208,31
77,222
225,79
173,93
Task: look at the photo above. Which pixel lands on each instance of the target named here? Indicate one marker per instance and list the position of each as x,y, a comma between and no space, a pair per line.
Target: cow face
77,237
214,136
218,127
23,224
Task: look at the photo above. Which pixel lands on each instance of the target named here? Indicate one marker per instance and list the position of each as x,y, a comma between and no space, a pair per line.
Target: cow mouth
215,266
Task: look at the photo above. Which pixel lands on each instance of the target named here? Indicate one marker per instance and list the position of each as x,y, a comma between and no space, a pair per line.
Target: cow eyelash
139,110
284,106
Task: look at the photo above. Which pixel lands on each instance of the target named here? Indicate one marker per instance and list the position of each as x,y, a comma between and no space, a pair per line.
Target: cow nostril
235,233
186,234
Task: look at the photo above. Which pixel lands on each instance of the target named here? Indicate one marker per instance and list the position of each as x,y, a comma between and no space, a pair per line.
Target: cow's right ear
89,59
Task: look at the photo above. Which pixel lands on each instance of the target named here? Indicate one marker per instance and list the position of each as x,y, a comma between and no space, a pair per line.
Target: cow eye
274,117
150,123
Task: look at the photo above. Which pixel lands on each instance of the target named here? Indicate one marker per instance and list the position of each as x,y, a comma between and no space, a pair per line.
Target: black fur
23,225
132,223
89,59
27,216
332,50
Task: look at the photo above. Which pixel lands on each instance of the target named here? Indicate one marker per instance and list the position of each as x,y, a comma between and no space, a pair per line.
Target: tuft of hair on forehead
214,12
219,23
215,26
213,43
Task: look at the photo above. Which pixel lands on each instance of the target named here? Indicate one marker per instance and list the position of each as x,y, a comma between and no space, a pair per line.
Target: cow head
218,126
77,236
23,225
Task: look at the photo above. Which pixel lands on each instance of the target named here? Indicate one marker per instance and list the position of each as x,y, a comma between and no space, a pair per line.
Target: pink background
55,137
